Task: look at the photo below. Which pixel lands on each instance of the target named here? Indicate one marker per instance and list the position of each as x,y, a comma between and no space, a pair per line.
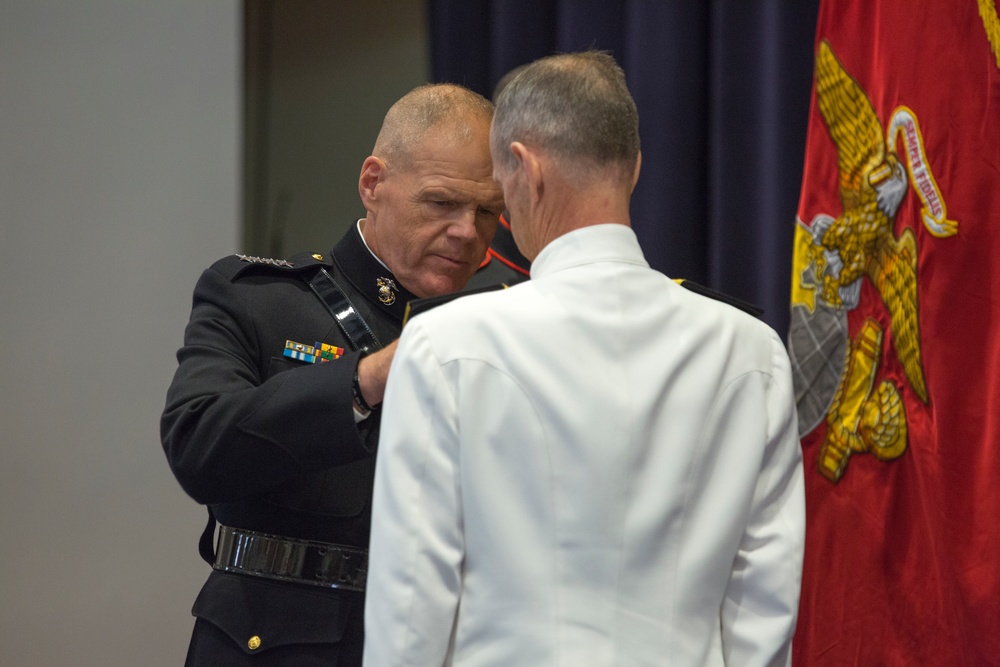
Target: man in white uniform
594,467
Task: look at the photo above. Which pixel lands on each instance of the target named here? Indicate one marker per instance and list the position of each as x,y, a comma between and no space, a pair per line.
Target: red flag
895,336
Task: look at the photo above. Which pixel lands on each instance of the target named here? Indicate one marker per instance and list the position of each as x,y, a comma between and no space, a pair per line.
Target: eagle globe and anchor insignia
386,290
836,377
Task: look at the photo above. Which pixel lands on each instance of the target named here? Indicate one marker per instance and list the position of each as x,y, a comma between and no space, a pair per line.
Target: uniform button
253,643
318,257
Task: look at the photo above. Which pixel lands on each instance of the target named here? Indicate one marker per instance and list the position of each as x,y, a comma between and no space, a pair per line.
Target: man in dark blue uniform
272,417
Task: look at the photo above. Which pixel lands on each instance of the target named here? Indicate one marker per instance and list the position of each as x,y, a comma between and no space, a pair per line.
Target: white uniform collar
596,243
358,223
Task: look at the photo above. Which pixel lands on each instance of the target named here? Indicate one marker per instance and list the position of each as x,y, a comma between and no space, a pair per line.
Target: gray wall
120,180
120,152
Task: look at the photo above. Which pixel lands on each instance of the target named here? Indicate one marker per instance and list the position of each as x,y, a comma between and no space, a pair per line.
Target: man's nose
463,226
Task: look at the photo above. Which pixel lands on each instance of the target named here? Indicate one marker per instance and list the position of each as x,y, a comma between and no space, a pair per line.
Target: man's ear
373,172
530,167
635,175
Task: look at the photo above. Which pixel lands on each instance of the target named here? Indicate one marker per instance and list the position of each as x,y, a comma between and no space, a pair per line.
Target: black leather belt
285,559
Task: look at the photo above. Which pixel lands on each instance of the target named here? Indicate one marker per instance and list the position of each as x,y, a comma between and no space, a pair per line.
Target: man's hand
373,371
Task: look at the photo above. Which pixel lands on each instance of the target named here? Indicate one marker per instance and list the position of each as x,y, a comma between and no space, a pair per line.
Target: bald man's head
424,109
432,204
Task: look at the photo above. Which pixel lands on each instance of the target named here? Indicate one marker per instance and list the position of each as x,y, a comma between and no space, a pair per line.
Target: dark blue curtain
722,88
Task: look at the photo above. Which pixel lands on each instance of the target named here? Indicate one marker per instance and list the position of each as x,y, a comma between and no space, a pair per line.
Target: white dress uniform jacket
595,467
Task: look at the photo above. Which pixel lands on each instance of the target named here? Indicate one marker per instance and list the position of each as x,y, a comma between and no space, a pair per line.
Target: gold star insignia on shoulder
264,260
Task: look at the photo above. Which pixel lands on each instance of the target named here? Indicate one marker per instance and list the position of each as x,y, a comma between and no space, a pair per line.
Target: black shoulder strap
357,331
745,306
417,306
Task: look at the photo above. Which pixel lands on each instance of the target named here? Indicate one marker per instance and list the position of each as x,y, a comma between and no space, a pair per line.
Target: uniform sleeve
229,432
416,551
761,604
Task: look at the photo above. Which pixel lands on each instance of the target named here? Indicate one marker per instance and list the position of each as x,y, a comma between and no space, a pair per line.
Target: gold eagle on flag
861,240
863,416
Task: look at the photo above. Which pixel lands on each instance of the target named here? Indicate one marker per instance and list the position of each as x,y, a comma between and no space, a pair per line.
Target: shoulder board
235,266
745,306
416,306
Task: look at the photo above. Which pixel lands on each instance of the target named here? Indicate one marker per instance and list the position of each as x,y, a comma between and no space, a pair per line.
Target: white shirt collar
595,243
377,259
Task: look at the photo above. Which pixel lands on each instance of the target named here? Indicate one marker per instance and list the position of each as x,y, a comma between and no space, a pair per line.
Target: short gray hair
425,108
575,106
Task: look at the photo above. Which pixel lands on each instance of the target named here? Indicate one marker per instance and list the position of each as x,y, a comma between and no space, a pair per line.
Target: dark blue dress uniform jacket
271,445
